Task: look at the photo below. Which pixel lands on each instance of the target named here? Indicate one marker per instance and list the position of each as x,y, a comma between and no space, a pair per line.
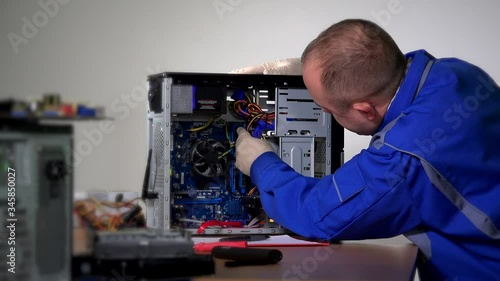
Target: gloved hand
248,149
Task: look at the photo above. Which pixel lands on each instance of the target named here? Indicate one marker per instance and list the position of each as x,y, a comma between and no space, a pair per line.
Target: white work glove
248,149
291,66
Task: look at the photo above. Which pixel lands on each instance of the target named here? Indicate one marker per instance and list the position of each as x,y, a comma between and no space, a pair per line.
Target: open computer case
191,180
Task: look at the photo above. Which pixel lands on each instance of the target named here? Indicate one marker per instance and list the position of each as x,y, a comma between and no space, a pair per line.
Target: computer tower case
36,200
191,180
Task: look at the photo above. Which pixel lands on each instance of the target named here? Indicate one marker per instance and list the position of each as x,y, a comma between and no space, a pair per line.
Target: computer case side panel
39,159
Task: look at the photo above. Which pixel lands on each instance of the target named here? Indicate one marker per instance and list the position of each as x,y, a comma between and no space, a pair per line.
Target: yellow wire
251,121
209,122
99,206
227,151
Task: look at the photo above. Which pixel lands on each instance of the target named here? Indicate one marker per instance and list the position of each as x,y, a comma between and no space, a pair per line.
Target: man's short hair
358,59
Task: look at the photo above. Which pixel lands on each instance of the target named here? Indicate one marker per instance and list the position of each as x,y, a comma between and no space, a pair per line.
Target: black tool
252,237
145,184
247,256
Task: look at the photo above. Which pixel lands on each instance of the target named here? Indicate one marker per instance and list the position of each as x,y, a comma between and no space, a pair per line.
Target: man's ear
366,109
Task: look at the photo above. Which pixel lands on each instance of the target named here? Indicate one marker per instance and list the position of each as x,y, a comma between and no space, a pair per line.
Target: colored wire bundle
99,215
253,113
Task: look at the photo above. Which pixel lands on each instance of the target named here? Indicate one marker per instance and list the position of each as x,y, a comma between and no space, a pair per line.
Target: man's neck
388,105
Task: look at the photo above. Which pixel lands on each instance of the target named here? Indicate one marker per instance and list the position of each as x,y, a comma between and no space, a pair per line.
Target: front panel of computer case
192,182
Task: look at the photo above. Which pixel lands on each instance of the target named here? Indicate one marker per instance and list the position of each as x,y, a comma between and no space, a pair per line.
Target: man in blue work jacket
431,172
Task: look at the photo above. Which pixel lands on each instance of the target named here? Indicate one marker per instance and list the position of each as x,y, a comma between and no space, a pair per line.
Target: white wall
101,51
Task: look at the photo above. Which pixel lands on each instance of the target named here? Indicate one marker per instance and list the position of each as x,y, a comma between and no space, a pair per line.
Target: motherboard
205,183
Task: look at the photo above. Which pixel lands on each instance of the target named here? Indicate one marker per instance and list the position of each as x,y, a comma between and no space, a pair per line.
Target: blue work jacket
431,172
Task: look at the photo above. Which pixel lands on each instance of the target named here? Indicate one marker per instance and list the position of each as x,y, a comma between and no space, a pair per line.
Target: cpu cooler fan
206,158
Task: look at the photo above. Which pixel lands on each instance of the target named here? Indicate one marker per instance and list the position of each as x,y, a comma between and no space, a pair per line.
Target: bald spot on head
358,60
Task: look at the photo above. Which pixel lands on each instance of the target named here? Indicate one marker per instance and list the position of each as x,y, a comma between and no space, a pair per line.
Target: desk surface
336,262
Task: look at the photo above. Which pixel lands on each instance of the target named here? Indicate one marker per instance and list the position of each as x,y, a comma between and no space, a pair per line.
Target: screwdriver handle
208,247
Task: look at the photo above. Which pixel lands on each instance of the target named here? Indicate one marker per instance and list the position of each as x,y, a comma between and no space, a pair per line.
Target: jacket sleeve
368,197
